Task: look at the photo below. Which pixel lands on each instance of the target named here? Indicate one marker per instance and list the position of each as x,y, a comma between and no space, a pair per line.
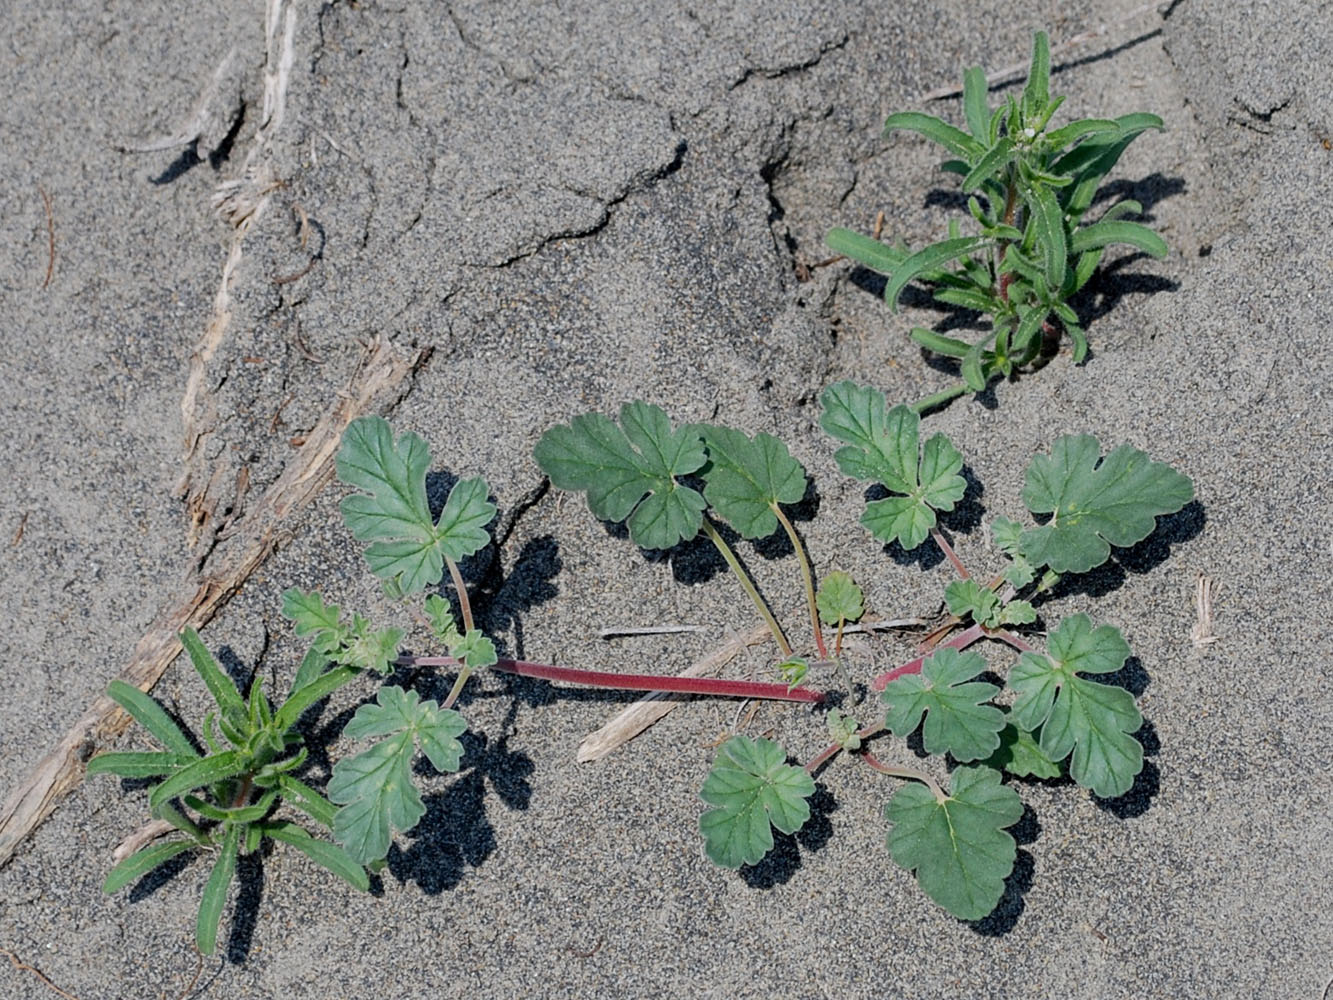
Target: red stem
949,553
632,682
962,640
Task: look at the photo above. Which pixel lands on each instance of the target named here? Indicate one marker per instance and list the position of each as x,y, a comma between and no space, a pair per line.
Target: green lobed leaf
215,890
441,618
957,719
1093,720
958,847
475,650
152,716
751,786
375,787
746,478
956,141
372,649
142,862
393,513
1021,755
883,447
1095,502
967,597
839,599
872,253
309,614
629,474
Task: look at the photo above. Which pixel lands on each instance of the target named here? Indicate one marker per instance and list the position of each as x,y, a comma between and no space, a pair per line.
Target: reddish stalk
962,640
949,553
632,682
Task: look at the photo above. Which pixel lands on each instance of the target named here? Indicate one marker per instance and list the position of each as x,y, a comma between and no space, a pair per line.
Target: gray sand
579,207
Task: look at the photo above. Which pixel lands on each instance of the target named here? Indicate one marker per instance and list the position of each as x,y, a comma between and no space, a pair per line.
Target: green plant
1029,190
1054,717
225,800
228,800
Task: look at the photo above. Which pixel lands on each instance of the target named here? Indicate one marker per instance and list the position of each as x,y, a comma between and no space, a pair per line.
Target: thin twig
24,967
18,532
1015,68
140,839
885,625
50,236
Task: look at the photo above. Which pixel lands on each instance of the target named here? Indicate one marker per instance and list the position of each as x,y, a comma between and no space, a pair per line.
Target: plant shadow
1004,918
784,860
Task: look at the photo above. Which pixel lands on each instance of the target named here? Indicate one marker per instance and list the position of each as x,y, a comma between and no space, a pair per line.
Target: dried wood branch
378,380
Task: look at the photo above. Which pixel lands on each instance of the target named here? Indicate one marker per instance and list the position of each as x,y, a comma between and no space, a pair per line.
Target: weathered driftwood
380,378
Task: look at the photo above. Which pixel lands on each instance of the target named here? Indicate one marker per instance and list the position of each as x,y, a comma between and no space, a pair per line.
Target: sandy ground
576,207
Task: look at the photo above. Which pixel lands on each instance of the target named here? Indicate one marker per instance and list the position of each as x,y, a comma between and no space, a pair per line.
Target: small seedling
1030,188
952,832
226,800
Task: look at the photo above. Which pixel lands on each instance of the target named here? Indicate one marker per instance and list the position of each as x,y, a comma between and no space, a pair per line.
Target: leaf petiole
905,772
807,577
748,585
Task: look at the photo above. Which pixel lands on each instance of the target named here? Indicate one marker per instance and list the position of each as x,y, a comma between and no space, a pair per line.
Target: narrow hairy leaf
324,854
839,599
1058,138
957,719
1093,720
139,763
872,253
996,158
630,474
975,107
204,771
142,862
1049,223
152,716
958,847
955,140
751,786
219,684
318,688
1036,94
1095,502
747,477
1104,233
882,446
928,259
393,513
302,796
215,891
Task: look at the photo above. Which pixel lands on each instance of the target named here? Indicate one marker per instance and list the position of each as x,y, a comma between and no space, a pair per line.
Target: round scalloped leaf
1095,502
629,475
1093,720
751,785
883,445
958,847
746,478
957,719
